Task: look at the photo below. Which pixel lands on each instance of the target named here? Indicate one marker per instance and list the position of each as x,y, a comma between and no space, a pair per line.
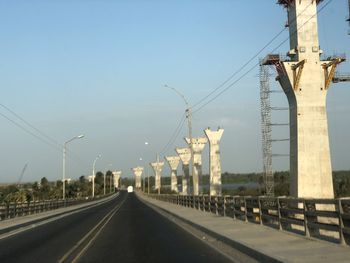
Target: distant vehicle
130,189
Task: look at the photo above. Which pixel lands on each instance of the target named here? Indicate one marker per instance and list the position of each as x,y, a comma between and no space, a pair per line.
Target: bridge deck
250,238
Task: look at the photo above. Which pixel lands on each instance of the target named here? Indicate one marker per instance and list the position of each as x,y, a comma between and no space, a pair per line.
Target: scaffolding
266,132
267,124
341,77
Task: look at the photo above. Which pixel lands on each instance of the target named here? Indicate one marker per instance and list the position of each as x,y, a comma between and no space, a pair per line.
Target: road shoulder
259,242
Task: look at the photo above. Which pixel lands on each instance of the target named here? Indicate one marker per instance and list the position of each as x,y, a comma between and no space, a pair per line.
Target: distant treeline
80,188
45,189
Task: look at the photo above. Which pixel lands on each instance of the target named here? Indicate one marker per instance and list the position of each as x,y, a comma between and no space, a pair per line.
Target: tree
99,183
44,189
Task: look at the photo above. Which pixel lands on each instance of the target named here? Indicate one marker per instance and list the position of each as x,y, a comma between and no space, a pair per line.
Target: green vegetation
45,190
81,187
341,183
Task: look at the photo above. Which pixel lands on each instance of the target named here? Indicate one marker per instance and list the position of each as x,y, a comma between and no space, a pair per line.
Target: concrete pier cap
116,178
214,138
198,144
157,168
138,173
173,162
185,156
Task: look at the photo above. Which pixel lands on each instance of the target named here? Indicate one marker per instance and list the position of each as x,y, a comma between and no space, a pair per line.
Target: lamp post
110,179
93,174
189,122
144,177
104,181
64,164
148,186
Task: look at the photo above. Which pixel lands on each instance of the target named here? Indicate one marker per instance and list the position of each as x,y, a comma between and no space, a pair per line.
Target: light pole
189,122
64,164
110,179
148,186
160,183
93,174
144,177
104,182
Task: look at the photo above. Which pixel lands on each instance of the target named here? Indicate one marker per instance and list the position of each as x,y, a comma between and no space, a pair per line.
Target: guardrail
326,219
13,209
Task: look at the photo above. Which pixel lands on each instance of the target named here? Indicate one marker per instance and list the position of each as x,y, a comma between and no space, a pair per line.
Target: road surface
121,230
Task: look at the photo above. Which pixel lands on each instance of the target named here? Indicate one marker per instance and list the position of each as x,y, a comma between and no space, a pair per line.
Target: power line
240,69
177,130
44,138
29,124
175,134
248,62
245,64
29,132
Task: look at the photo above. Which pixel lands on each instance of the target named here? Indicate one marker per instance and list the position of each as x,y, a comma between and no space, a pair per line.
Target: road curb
243,248
46,218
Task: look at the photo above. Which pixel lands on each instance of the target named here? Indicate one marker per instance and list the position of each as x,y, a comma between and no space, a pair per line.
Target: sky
99,68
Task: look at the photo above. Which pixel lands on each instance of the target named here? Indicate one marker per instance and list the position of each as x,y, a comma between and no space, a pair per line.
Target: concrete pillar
214,138
173,162
157,168
198,145
138,173
116,178
305,80
185,156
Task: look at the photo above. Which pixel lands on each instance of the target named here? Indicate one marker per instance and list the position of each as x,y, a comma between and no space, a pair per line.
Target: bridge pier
173,162
116,178
214,138
157,168
198,145
305,80
138,173
185,156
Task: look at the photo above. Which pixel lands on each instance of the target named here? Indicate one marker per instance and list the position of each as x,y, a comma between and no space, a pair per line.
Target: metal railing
14,209
326,219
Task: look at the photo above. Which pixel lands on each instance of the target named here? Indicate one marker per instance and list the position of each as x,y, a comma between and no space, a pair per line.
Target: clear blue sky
98,68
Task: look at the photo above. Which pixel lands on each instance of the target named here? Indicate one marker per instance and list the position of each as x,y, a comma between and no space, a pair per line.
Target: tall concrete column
185,156
305,80
157,168
173,162
198,145
116,178
214,138
138,173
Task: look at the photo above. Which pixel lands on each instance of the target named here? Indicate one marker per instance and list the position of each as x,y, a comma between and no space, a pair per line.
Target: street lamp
110,178
148,186
64,164
189,122
143,182
93,174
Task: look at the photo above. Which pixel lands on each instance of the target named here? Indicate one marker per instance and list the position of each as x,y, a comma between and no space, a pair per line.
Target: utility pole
195,180
104,184
93,175
189,122
159,177
144,183
147,181
64,164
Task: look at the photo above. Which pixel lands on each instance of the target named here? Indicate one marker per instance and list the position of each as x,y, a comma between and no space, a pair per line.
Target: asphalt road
121,230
